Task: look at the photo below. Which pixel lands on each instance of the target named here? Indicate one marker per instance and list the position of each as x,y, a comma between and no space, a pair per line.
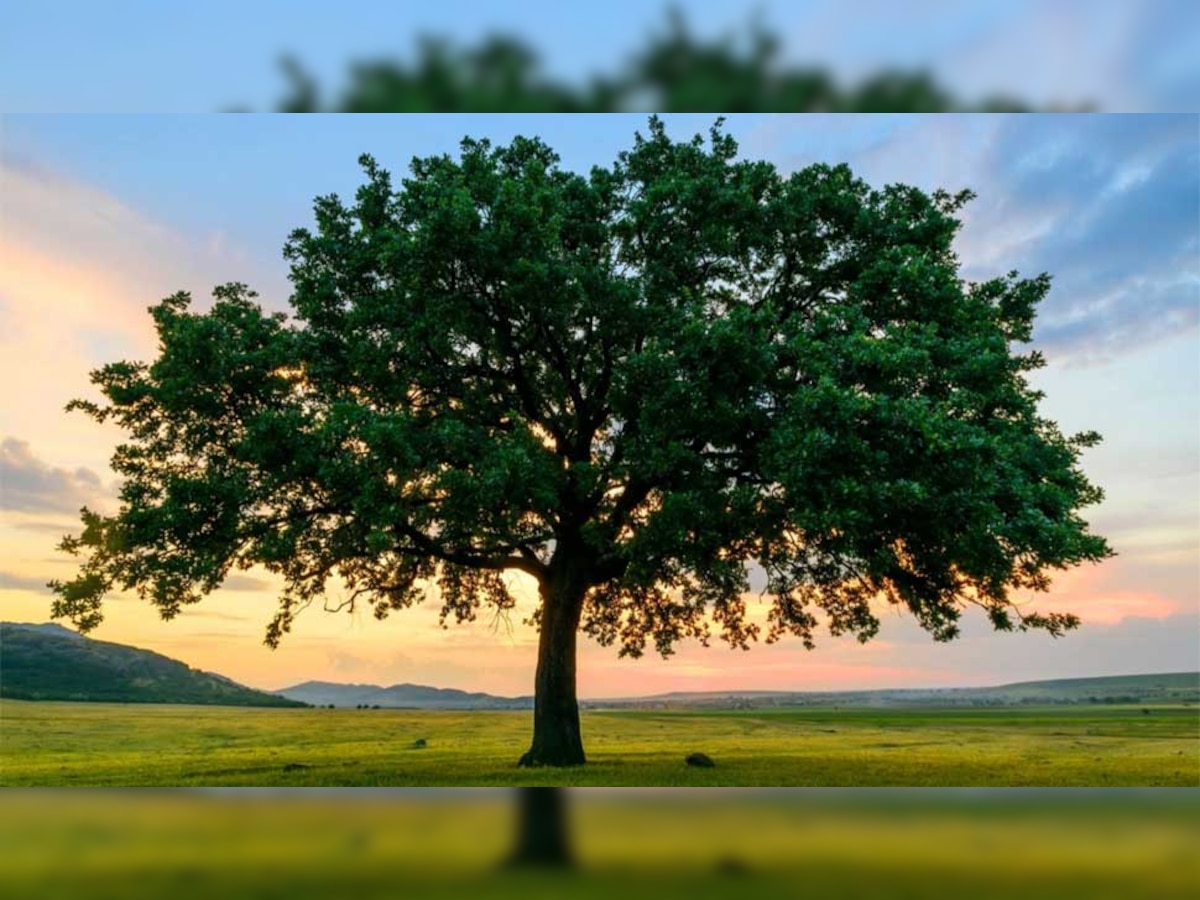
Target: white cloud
78,270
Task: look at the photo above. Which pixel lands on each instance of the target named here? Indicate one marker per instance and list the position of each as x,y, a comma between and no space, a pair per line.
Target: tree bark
542,836
557,740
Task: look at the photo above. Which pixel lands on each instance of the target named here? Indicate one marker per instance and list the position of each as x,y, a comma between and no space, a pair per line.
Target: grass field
81,744
1036,845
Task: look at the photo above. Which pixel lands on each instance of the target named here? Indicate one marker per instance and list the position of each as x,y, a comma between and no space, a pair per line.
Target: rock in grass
700,760
731,865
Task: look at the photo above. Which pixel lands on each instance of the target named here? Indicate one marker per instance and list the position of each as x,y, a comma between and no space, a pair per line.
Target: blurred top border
462,56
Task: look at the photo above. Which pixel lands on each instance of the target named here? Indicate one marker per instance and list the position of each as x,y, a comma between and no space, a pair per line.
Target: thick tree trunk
556,737
542,838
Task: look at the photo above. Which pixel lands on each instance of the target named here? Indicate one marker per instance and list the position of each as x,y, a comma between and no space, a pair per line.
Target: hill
1170,687
49,662
398,696
1177,687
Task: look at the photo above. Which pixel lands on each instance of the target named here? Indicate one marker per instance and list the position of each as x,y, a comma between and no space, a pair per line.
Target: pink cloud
1095,594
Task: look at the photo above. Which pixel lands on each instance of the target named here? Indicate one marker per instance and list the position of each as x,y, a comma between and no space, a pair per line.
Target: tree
746,71
633,386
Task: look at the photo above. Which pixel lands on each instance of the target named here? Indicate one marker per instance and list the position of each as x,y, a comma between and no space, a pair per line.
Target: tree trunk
542,838
556,737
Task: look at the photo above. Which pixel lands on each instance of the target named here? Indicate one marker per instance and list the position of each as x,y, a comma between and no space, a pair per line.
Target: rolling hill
49,662
1177,687
1168,687
399,696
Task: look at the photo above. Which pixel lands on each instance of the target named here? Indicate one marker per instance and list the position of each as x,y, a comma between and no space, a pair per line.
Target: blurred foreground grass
91,744
811,843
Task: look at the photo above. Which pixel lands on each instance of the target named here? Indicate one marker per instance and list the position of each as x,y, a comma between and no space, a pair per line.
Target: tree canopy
634,385
746,71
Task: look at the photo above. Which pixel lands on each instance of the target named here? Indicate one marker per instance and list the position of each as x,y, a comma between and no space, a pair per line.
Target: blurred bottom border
819,842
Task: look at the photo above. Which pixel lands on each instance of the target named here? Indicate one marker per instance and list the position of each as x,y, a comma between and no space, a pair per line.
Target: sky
102,216
149,56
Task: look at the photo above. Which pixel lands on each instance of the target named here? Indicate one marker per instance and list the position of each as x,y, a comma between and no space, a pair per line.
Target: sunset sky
102,216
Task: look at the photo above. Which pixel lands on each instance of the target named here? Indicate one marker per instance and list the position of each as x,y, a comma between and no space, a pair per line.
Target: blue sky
148,56
104,215
251,179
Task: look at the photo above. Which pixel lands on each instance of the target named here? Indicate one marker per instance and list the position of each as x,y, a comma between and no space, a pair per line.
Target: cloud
45,527
78,270
1135,645
29,485
10,581
245,583
71,254
1110,206
347,664
1111,593
215,615
1161,52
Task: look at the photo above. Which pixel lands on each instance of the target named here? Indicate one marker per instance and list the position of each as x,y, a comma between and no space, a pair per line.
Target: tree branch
423,545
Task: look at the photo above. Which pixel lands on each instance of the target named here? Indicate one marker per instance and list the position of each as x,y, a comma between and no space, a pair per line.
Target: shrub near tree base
629,386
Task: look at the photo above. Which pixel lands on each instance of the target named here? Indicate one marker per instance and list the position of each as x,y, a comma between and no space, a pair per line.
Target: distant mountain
1171,687
398,696
49,662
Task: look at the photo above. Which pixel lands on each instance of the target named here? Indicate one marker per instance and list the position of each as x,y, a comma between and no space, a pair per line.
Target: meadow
291,845
94,744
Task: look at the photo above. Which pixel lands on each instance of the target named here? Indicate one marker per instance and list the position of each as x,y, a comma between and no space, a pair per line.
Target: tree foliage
674,69
640,382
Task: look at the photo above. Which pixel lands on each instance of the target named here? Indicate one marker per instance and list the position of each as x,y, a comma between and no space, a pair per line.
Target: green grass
184,845
81,744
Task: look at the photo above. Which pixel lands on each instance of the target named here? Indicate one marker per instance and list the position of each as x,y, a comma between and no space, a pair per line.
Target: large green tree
635,386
